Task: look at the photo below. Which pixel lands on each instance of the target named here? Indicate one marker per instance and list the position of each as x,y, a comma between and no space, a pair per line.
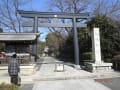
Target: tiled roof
18,36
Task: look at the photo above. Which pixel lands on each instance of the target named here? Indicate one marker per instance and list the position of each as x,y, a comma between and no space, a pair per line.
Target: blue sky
44,32
43,6
38,5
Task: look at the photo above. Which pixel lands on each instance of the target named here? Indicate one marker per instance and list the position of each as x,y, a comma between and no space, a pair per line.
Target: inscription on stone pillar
96,49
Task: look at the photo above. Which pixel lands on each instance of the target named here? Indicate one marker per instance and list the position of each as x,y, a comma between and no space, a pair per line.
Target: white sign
59,67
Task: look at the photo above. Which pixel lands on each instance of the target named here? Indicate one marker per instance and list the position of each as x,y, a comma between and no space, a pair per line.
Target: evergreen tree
109,35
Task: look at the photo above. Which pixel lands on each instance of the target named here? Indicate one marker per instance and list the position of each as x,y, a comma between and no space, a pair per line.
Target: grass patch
4,86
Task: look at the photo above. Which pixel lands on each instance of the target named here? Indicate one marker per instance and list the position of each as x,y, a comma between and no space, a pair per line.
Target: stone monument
98,65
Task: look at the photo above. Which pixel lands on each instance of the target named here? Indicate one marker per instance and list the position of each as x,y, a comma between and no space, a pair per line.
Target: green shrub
4,86
87,56
108,60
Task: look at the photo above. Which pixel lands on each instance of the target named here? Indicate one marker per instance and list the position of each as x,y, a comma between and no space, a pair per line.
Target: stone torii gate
35,15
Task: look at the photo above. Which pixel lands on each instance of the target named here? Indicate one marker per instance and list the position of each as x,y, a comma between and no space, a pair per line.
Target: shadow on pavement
113,83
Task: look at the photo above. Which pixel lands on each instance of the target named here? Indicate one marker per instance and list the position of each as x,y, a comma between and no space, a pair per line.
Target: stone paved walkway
71,79
47,67
81,84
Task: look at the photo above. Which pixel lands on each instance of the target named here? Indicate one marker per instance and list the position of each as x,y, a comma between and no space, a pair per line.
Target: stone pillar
96,49
76,46
98,66
35,29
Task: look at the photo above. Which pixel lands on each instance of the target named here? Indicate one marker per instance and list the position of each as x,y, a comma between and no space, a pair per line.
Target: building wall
17,48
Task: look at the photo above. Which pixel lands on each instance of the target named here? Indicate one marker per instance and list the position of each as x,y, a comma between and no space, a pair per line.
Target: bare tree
110,8
9,15
71,6
68,6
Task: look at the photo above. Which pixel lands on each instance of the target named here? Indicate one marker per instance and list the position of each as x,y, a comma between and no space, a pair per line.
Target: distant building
46,49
